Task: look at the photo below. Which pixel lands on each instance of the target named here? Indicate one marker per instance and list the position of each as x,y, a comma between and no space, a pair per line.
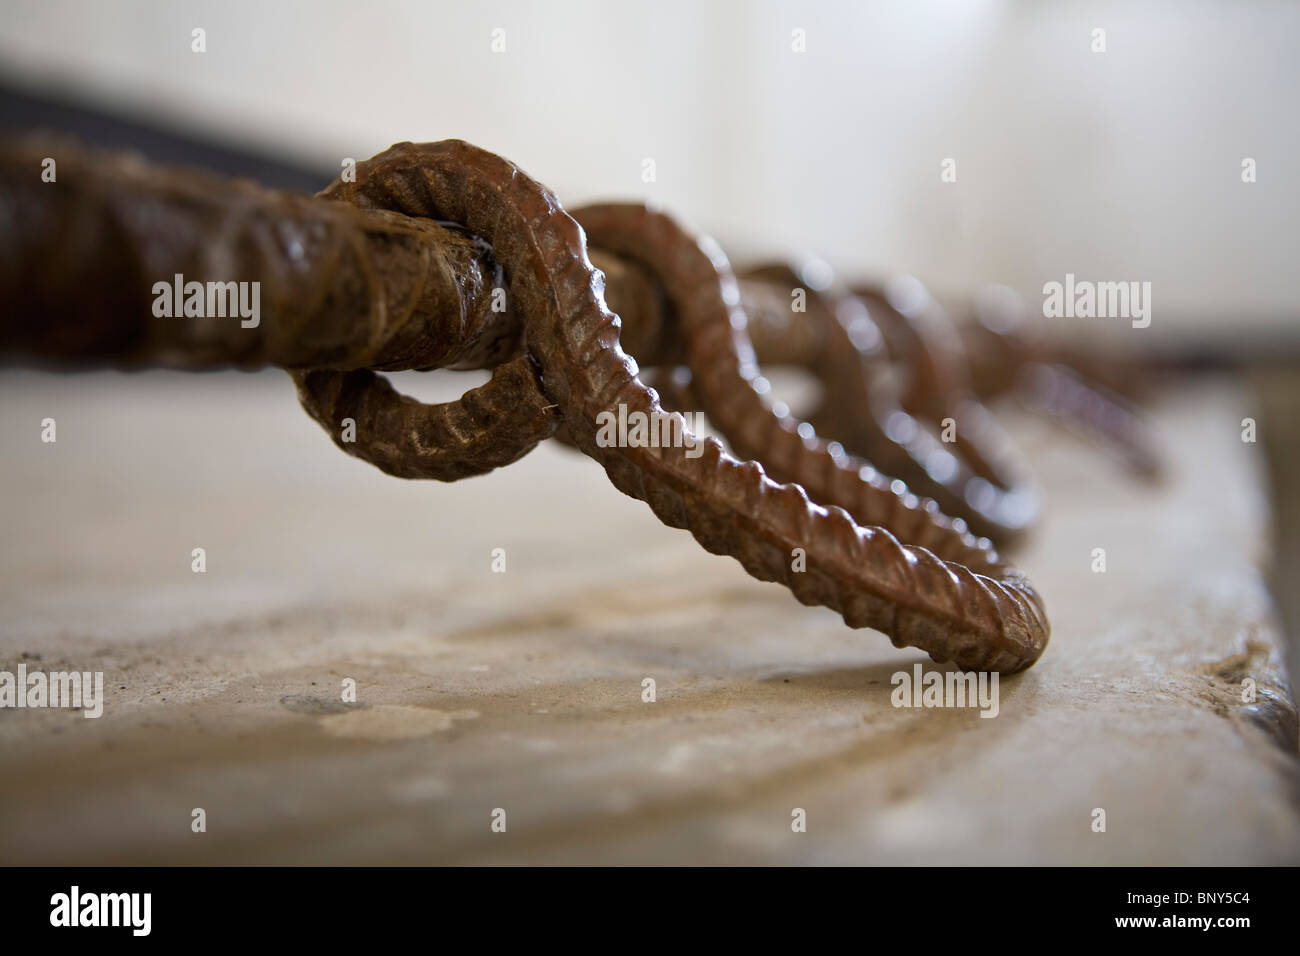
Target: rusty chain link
405,268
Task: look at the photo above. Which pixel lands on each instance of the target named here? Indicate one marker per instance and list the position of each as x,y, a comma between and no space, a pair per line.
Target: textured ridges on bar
375,283
487,427
723,358
856,410
340,287
981,457
730,507
919,599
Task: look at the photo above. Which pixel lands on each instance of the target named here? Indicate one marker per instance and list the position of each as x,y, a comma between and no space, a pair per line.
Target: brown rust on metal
985,616
341,287
354,287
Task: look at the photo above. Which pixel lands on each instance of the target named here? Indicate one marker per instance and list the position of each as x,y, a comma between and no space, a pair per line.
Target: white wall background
1121,165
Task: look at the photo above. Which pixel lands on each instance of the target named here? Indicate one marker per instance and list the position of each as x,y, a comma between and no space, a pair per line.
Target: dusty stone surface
523,690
